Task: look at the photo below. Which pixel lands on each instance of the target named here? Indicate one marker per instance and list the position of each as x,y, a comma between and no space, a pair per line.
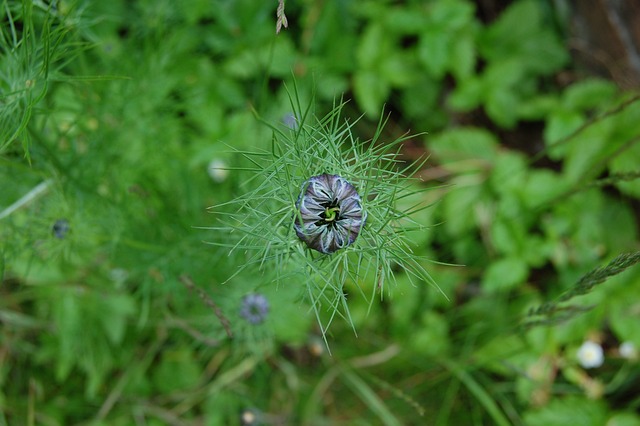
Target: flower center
331,213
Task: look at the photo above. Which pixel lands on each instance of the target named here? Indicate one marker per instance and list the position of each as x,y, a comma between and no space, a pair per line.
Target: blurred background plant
116,120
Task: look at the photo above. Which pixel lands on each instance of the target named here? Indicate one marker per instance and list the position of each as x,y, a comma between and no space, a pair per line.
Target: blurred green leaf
508,176
370,91
467,95
502,87
624,419
543,186
589,93
463,57
458,205
499,353
568,410
434,49
423,97
370,398
125,163
560,125
537,107
431,338
625,324
398,69
587,153
466,143
405,19
446,43
177,370
626,163
505,274
520,34
373,47
508,236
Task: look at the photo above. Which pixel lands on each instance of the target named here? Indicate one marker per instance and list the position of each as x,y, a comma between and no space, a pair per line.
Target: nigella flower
60,228
255,308
330,213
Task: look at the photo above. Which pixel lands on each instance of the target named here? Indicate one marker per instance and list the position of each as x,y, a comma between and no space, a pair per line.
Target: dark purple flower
255,308
331,213
60,228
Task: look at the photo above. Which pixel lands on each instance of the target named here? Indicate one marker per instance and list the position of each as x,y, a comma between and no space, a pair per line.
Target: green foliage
122,122
262,219
554,311
36,43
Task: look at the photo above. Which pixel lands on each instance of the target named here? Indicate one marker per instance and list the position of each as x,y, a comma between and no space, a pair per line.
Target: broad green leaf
626,124
399,69
373,47
542,186
406,19
509,173
520,34
370,91
422,99
588,151
625,323
434,50
446,44
560,125
627,162
590,93
568,410
508,235
467,95
538,107
464,144
502,83
459,209
622,226
452,15
502,108
505,274
519,21
462,59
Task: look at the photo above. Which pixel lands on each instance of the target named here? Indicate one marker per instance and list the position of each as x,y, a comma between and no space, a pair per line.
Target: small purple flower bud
255,308
290,121
331,213
60,228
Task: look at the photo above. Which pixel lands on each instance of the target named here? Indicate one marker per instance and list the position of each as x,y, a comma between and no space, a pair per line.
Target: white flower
590,355
628,350
218,170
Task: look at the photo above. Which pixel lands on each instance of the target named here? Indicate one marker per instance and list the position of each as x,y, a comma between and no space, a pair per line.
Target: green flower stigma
330,214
